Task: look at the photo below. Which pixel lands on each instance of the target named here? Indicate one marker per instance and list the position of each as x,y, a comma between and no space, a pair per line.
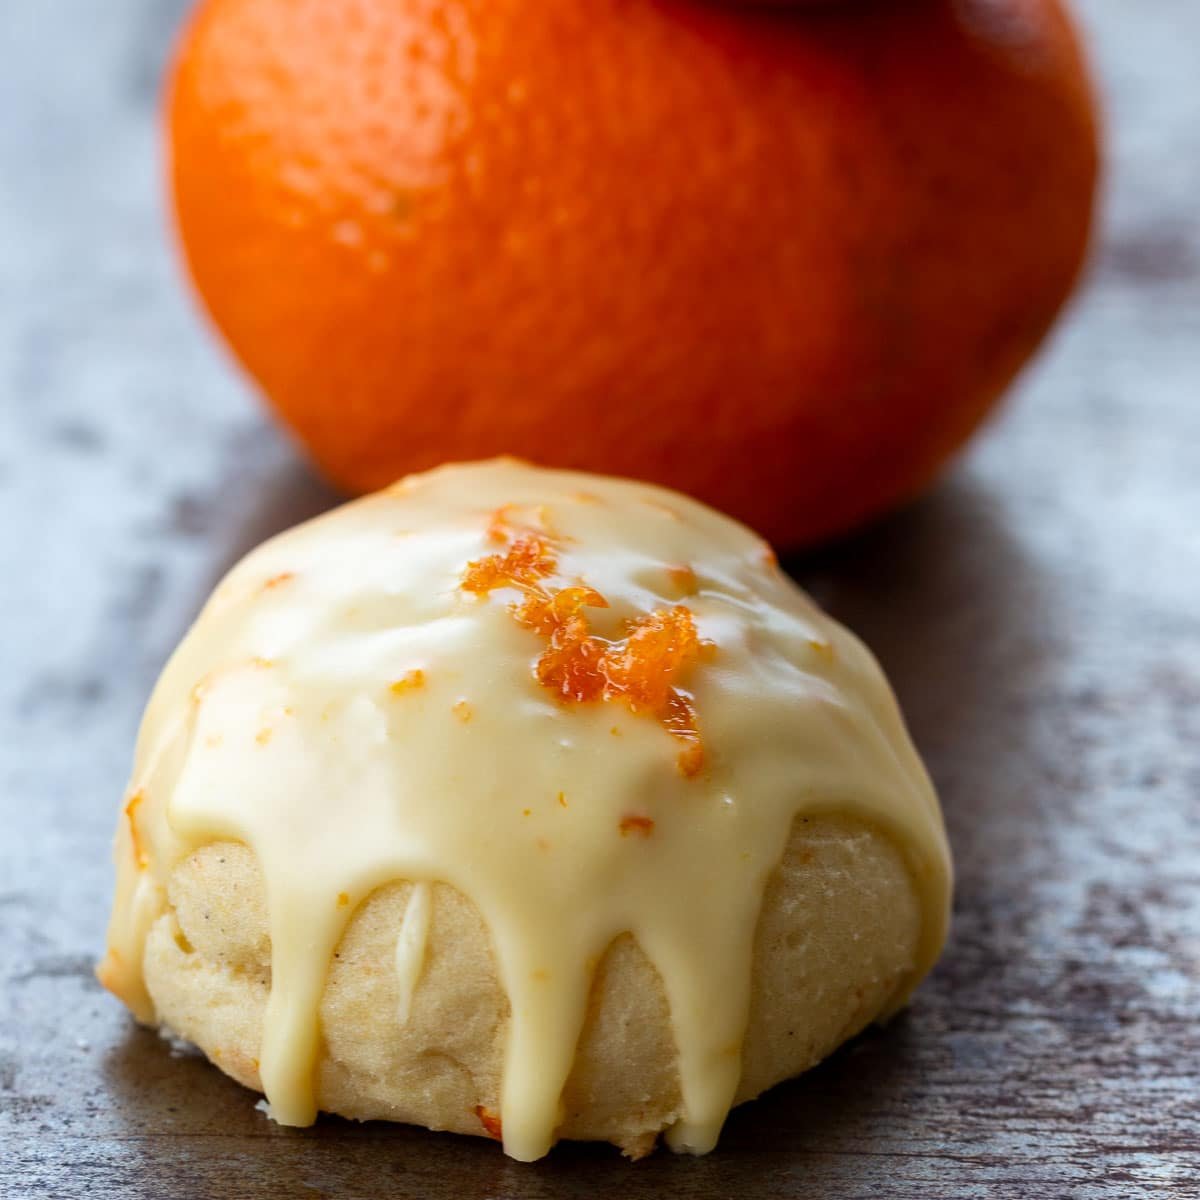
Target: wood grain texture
1039,614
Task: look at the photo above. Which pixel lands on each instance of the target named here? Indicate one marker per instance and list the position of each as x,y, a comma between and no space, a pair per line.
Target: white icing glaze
410,948
344,709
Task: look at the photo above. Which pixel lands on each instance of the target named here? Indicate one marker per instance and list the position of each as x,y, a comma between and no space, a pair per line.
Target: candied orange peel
641,669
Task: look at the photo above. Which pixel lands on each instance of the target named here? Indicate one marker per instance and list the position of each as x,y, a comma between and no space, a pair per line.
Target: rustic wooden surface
1039,614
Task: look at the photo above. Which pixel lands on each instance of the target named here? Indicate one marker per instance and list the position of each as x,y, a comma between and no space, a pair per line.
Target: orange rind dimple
641,669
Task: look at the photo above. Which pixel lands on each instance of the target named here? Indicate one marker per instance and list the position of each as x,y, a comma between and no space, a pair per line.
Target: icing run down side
556,693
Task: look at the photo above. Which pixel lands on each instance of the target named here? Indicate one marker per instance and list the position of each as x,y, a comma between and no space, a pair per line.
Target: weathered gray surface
1040,616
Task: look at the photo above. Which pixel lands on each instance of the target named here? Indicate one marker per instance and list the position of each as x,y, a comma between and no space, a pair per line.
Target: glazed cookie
522,803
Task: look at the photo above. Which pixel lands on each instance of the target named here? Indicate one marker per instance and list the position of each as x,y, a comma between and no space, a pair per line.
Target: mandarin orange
783,259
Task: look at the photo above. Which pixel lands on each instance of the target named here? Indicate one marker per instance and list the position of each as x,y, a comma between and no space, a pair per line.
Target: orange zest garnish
276,580
500,527
131,807
822,649
640,669
635,824
410,680
683,579
527,561
490,1121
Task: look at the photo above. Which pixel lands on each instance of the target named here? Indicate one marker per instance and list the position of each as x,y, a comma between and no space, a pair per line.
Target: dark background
1039,615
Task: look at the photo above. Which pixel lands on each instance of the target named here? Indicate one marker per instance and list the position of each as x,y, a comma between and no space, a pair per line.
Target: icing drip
410,948
349,712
